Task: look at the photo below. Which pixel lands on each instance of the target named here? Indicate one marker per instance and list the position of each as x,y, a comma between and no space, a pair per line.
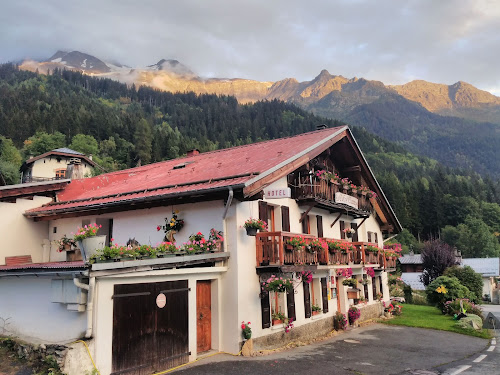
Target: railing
27,179
310,186
273,250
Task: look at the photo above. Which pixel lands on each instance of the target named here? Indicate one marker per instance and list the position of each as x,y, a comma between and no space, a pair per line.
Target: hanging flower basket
251,231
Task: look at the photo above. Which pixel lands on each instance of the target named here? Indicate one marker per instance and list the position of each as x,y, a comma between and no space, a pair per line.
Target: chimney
321,127
193,152
90,156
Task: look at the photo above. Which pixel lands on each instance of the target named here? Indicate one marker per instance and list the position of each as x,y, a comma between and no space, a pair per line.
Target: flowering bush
305,276
296,242
64,241
246,330
288,325
279,285
454,307
255,223
339,321
86,232
444,289
353,314
370,271
344,272
216,235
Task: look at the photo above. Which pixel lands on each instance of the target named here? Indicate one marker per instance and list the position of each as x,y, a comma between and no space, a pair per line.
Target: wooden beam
359,226
305,213
354,168
336,219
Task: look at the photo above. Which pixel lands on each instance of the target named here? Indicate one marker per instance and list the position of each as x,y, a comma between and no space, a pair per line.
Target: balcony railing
27,179
272,250
310,186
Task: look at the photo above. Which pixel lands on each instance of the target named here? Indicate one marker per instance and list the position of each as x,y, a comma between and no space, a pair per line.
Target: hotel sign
277,193
346,199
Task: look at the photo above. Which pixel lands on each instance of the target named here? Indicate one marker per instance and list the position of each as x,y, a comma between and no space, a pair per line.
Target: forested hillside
125,126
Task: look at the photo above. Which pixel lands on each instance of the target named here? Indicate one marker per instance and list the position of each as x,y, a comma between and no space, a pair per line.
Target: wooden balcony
310,188
273,251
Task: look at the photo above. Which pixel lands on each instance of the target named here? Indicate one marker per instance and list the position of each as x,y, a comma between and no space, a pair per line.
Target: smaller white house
57,164
489,268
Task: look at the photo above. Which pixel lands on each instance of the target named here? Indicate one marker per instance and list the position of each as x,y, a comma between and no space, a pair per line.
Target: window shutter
376,237
319,224
369,236
305,224
265,309
290,304
263,211
342,227
355,235
285,219
324,294
307,299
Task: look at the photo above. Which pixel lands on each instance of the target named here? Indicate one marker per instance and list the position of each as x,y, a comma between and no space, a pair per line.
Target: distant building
57,164
489,268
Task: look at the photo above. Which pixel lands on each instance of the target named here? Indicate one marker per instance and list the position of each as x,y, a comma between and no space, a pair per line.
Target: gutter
224,224
41,274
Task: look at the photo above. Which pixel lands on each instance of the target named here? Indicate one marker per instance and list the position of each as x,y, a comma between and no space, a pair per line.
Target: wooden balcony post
280,250
260,250
363,255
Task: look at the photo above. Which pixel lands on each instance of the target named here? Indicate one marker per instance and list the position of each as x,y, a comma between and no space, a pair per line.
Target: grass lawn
431,317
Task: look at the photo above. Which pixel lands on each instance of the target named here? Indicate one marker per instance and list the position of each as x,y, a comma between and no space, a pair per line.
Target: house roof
40,266
413,280
58,152
484,266
410,259
10,193
248,168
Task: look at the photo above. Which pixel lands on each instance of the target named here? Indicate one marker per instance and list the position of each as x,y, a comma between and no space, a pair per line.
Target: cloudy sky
393,41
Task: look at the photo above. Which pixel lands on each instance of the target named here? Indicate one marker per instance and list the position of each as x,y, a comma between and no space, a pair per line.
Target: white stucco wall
46,167
26,303
22,236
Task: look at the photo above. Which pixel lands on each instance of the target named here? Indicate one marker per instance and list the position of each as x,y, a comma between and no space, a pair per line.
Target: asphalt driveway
377,349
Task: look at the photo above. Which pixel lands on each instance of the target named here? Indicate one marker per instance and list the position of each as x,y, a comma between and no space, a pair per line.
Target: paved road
374,350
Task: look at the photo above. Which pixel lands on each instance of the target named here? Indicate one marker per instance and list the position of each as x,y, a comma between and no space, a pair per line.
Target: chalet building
147,315
57,164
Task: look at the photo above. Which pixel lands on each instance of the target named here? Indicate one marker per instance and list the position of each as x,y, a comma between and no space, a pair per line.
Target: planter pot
67,247
277,321
288,247
90,245
247,336
348,235
251,231
315,312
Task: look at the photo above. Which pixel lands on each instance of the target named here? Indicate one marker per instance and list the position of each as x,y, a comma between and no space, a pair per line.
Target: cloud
387,40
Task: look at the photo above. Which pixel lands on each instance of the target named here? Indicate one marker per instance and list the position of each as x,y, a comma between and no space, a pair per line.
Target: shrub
408,293
453,307
353,314
339,321
436,258
444,289
419,300
469,278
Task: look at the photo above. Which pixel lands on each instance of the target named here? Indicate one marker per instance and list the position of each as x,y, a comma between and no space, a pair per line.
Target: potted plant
372,249
315,309
339,321
246,330
334,246
346,184
353,314
253,225
353,283
295,243
65,243
349,232
278,318
165,248
171,227
88,240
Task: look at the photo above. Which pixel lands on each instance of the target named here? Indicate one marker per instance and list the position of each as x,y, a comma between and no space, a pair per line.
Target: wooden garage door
148,338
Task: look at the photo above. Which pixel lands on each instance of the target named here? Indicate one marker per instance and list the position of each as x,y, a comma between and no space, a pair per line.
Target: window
271,227
278,305
60,173
306,225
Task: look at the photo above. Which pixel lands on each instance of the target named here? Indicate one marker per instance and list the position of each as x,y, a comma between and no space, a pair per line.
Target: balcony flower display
305,276
345,272
370,271
87,231
353,283
316,245
346,183
334,246
372,249
277,284
172,226
65,243
253,225
165,248
296,243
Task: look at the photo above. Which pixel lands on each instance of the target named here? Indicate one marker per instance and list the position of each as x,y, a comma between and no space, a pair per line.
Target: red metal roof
49,265
205,171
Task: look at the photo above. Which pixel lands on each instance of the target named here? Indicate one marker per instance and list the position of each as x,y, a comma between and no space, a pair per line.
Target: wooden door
148,338
204,315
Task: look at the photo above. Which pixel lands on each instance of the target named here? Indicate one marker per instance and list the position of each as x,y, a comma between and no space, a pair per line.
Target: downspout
90,302
224,226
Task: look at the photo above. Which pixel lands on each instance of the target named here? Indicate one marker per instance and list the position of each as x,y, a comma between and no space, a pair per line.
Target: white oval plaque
161,300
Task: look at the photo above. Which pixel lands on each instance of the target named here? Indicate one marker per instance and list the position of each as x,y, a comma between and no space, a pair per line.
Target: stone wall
36,354
371,311
305,332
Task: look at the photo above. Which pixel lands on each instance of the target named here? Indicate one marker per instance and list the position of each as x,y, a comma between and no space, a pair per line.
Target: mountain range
457,124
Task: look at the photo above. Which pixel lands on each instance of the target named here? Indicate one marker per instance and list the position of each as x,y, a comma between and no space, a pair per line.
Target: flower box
90,245
251,231
277,322
316,312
